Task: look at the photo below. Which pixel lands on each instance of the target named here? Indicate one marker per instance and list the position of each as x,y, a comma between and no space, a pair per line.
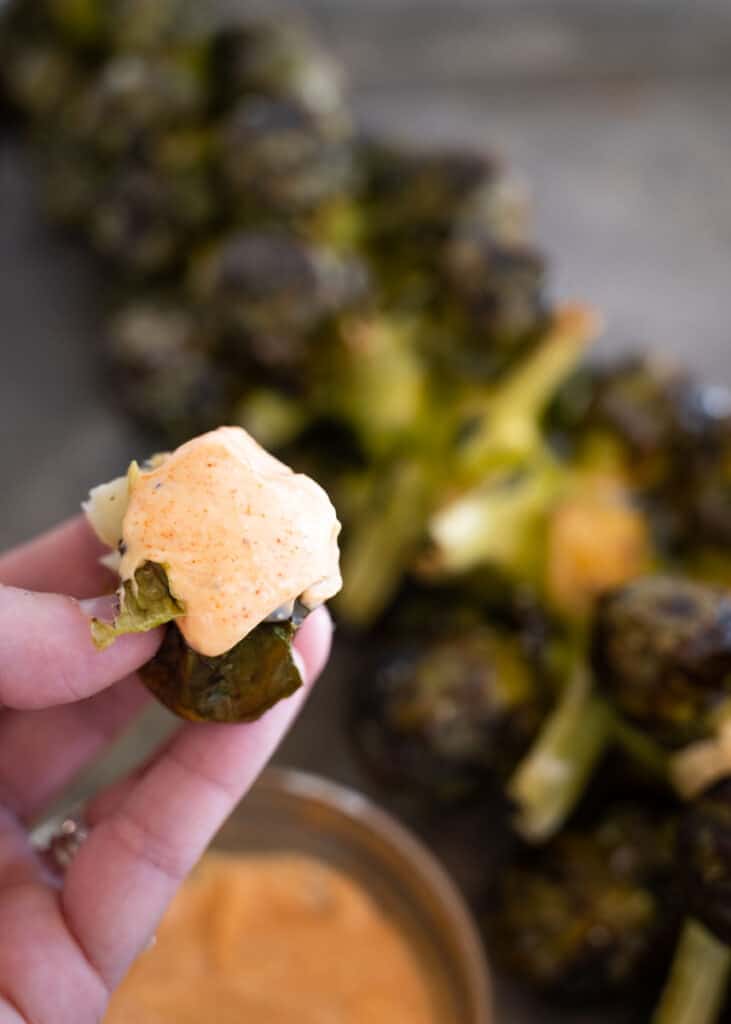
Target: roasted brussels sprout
443,717
270,291
235,687
494,305
104,25
641,405
234,548
661,650
144,219
592,916
413,202
280,163
704,859
261,57
132,98
163,371
238,686
698,982
37,77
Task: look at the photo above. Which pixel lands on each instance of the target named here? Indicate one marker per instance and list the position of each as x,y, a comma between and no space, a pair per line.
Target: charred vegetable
591,916
268,292
696,988
236,548
444,717
271,58
164,373
238,686
281,164
662,653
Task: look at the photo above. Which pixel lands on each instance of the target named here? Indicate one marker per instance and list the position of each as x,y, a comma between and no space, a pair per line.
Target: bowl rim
351,804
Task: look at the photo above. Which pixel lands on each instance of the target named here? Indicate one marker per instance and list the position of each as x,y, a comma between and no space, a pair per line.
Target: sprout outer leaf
237,686
144,604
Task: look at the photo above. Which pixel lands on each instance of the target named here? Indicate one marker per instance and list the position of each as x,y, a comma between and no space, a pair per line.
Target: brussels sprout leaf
145,603
235,687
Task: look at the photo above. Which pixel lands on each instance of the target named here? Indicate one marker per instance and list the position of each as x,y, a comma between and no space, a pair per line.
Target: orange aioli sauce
238,532
274,939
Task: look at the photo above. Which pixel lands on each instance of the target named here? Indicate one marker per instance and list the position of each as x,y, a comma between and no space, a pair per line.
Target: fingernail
103,608
300,663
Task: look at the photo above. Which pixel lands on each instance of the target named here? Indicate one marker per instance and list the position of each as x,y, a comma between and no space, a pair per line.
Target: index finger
47,655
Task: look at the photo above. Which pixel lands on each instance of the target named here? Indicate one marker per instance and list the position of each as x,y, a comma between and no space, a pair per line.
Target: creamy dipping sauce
238,532
277,939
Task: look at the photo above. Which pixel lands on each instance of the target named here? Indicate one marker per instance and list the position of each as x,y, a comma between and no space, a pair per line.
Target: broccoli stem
696,986
501,523
554,773
509,428
383,540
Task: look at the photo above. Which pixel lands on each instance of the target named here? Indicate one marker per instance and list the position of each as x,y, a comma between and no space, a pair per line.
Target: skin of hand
64,948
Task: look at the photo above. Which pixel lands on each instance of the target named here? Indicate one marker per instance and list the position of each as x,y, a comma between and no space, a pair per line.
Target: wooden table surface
616,113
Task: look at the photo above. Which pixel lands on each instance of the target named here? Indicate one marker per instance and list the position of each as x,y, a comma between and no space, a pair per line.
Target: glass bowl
294,812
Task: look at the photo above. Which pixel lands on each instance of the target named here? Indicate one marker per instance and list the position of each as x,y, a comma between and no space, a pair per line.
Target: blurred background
616,116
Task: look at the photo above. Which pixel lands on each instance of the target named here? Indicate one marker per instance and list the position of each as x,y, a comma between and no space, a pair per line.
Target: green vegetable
592,916
256,56
268,292
145,603
443,716
698,980
279,163
238,686
661,650
696,987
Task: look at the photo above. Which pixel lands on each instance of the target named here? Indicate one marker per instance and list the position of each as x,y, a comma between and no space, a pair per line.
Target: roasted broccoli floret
443,717
592,916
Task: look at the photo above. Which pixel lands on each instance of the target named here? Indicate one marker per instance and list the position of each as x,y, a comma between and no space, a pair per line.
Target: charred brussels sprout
271,290
697,985
661,650
592,916
442,718
414,202
641,404
704,859
164,372
260,57
134,96
279,162
494,304
238,686
144,219
38,77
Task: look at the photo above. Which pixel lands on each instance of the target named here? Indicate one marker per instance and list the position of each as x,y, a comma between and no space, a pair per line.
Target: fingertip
313,643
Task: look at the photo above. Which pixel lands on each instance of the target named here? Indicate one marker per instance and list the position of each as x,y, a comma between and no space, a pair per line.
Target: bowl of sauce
313,906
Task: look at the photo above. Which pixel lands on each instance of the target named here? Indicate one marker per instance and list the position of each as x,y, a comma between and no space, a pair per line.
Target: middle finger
42,751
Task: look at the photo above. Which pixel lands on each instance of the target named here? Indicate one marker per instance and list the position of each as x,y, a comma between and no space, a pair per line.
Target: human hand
63,948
